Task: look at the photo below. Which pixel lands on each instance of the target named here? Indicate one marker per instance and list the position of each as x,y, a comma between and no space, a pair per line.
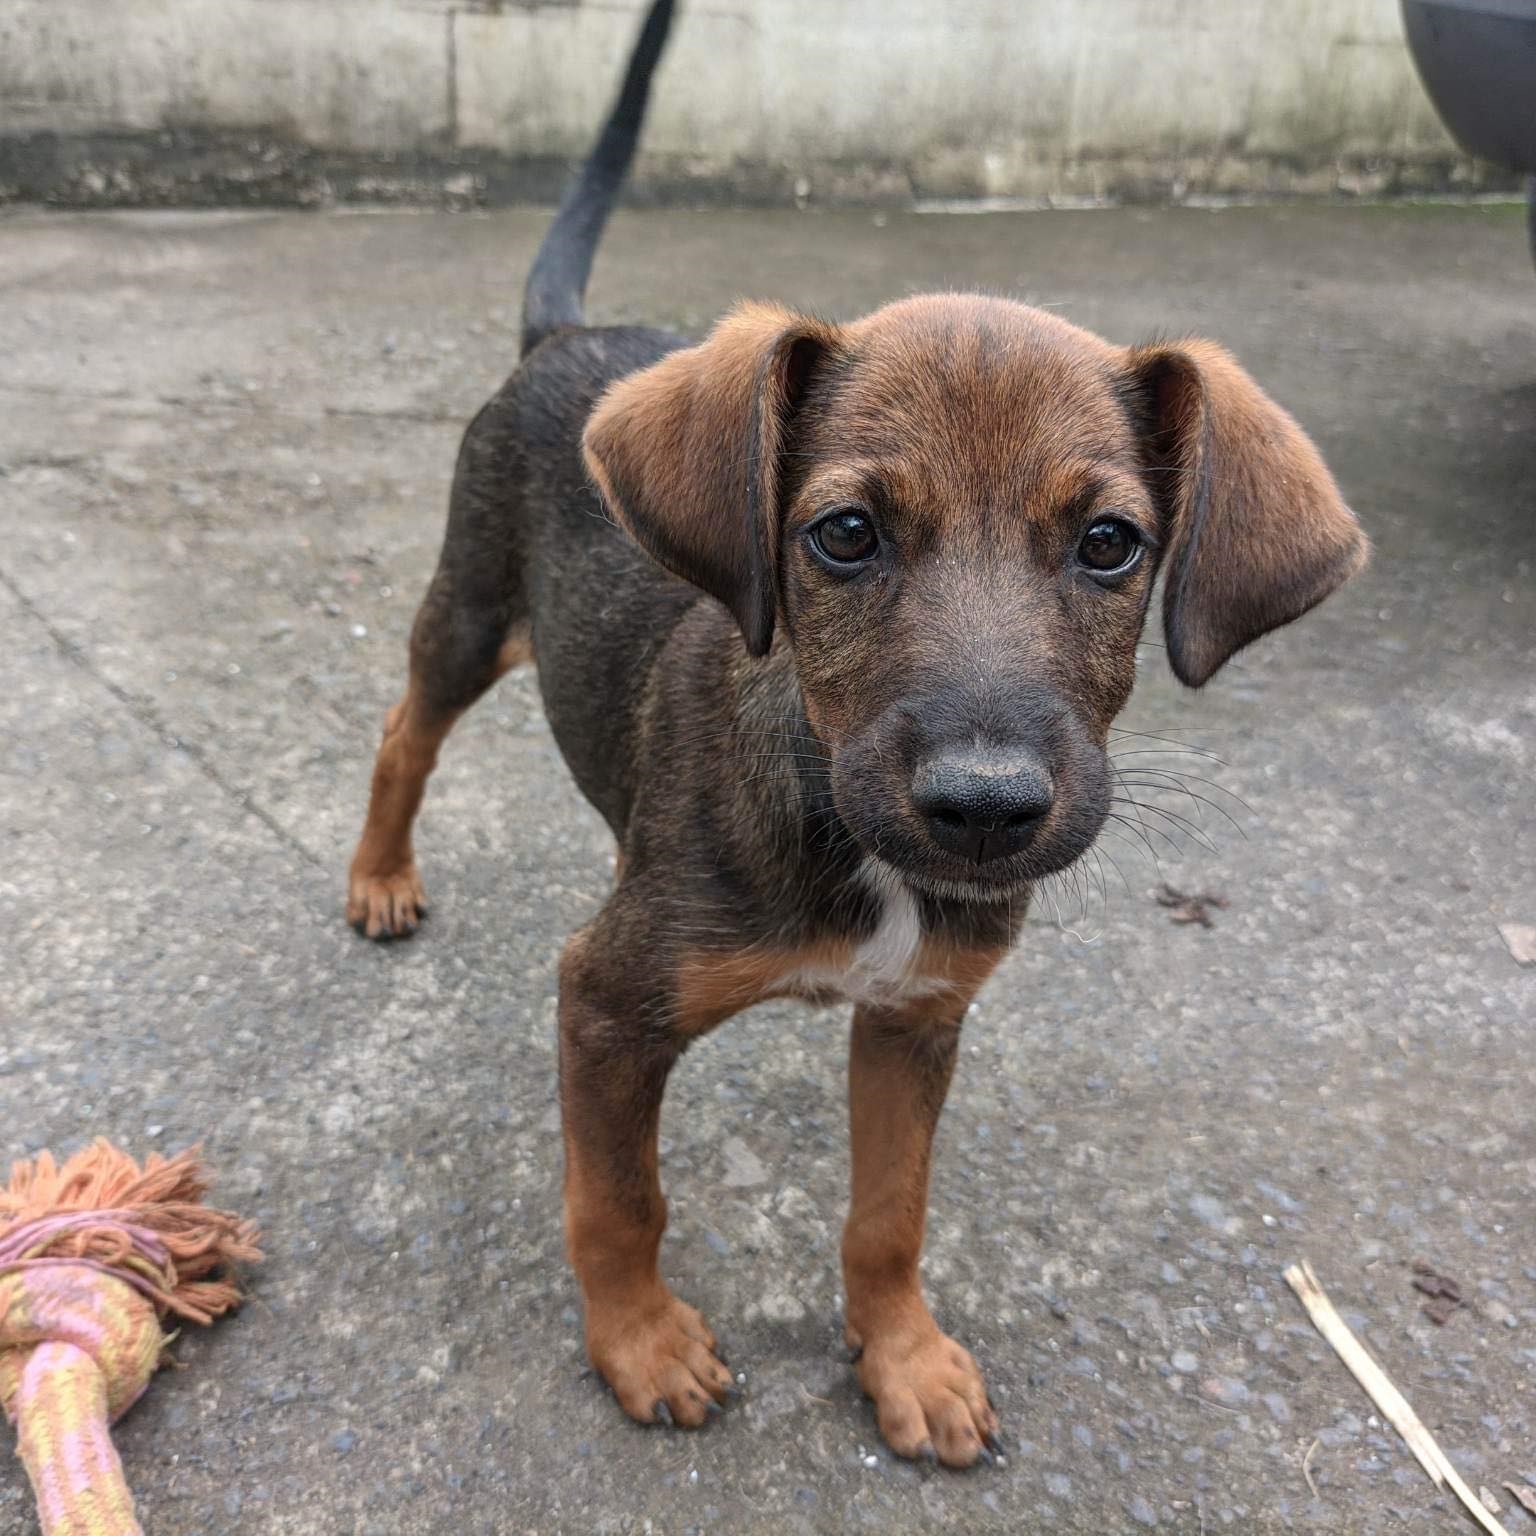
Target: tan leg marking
714,984
384,893
656,1352
515,650
385,898
929,1395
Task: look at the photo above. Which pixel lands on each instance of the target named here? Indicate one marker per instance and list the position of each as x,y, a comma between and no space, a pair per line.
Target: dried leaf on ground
1444,1292
1439,1310
1189,907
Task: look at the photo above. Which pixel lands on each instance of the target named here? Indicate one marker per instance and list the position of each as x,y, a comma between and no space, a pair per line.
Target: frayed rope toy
93,1256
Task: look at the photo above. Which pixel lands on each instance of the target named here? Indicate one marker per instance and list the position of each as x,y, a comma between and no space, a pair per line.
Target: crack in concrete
246,407
451,104
150,718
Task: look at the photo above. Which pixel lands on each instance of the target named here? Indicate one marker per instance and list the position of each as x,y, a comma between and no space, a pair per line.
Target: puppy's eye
845,538
1110,547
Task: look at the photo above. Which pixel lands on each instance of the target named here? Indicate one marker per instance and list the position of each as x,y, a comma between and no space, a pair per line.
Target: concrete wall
835,98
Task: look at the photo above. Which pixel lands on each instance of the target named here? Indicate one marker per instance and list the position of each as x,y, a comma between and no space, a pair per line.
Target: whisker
1147,851
1220,810
1190,828
1180,774
1121,730
1167,752
782,770
1144,830
769,756
731,732
1120,780
1061,922
1114,865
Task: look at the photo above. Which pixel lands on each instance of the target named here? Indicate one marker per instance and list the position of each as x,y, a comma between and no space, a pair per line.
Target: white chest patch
883,969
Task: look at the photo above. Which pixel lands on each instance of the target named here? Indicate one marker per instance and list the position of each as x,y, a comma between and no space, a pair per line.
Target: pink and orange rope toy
93,1257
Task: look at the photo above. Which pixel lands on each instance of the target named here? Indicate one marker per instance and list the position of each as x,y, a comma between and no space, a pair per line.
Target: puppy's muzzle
982,805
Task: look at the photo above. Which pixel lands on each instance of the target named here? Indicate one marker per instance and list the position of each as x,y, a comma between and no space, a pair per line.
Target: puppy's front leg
928,1391
655,1351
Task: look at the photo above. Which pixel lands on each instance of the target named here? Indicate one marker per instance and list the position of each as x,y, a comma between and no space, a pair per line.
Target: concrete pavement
225,443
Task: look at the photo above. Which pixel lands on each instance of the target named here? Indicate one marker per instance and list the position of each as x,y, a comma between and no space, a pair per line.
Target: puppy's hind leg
458,650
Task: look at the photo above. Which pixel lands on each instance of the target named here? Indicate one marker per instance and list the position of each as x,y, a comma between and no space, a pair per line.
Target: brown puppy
843,694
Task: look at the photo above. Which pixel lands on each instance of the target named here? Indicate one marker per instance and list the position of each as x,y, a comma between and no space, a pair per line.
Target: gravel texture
225,443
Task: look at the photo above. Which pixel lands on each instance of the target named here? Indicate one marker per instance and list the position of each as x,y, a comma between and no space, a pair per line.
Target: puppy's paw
660,1361
386,906
930,1398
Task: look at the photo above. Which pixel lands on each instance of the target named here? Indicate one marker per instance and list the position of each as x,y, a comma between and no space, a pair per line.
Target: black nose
981,805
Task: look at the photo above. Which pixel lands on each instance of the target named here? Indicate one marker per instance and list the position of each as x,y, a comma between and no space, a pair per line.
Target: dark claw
926,1452
662,1414
994,1443
733,1393
713,1409
856,1355
986,1457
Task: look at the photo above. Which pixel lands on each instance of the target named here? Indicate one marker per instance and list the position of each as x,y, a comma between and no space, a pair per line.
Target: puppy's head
955,510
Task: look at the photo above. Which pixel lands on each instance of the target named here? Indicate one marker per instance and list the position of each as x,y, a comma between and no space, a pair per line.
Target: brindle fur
748,724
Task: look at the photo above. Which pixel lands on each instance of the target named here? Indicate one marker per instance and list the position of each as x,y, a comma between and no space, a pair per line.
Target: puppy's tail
558,280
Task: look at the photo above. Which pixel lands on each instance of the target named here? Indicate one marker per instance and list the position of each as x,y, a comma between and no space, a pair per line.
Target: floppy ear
688,455
1255,528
